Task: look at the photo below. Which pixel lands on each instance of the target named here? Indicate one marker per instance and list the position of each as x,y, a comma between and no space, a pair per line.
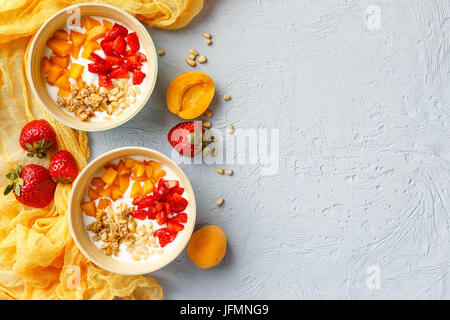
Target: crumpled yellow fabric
38,258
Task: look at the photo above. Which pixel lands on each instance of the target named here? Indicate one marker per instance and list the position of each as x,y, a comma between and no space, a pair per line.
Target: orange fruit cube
63,82
124,182
61,35
136,189
109,176
147,187
155,164
89,47
139,169
98,182
92,194
89,208
89,23
108,24
62,62
115,192
75,52
103,203
129,162
77,38
122,169
158,174
104,192
46,64
63,92
149,171
54,73
59,47
95,33
76,70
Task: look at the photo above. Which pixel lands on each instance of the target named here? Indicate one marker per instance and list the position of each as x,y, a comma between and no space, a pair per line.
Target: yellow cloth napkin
38,258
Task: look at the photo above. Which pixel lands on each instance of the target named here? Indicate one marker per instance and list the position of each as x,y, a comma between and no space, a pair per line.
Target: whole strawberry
187,138
63,167
32,185
37,137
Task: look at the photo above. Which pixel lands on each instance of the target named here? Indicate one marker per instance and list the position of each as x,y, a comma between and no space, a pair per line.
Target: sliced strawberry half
187,138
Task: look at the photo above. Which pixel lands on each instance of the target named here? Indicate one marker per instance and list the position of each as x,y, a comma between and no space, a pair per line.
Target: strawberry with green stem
37,137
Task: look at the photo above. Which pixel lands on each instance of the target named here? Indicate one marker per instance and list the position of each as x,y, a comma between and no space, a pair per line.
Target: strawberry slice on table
177,202
187,138
119,45
140,214
133,41
63,167
174,226
121,29
119,72
180,218
32,185
37,137
138,77
104,81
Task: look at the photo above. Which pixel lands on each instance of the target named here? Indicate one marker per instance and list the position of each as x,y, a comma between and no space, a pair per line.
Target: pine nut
132,92
219,202
138,90
190,62
226,97
208,41
219,170
136,258
192,57
208,113
206,124
207,35
194,52
228,172
213,153
201,59
161,52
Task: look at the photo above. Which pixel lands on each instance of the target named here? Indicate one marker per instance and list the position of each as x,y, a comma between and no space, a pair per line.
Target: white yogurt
124,255
92,78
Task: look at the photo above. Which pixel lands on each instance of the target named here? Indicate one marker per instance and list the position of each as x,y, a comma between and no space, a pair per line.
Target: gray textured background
364,155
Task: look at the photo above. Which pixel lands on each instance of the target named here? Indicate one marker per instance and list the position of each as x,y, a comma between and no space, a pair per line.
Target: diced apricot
103,203
80,83
190,94
75,52
147,187
63,93
158,174
95,33
140,179
61,35
89,208
92,194
60,47
156,165
129,162
207,247
76,70
149,171
63,82
109,176
104,192
124,182
46,64
108,24
122,169
54,73
62,62
89,47
89,23
139,169
136,189
115,192
77,38
98,182
100,214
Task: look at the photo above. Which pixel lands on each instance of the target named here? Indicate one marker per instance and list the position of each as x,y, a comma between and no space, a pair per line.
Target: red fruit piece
111,34
186,137
174,227
114,60
97,58
119,45
142,57
32,185
178,190
164,236
133,41
37,137
137,199
102,68
63,167
171,183
104,81
160,194
177,202
138,77
133,62
120,72
161,217
107,46
180,218
121,29
139,214
146,202
152,213
159,207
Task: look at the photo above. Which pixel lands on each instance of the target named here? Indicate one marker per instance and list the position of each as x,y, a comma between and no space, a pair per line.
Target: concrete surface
359,92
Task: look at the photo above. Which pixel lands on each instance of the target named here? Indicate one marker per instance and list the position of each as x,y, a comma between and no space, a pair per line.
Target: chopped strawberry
97,58
146,202
180,218
114,60
137,199
159,207
104,81
119,45
178,190
164,236
122,30
174,227
177,202
142,57
102,68
133,41
160,194
171,183
167,208
152,213
139,214
138,77
133,62
161,217
111,34
120,72
107,46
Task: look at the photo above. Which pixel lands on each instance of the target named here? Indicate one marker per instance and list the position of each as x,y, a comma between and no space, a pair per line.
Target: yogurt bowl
58,64
113,192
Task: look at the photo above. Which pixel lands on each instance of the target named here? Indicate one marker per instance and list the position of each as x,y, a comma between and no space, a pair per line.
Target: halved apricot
207,247
190,94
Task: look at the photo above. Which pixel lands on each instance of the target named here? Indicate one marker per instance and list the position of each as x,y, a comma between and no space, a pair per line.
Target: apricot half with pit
207,246
190,94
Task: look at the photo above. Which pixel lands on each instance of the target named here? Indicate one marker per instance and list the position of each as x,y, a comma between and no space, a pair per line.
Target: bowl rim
189,227
73,125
